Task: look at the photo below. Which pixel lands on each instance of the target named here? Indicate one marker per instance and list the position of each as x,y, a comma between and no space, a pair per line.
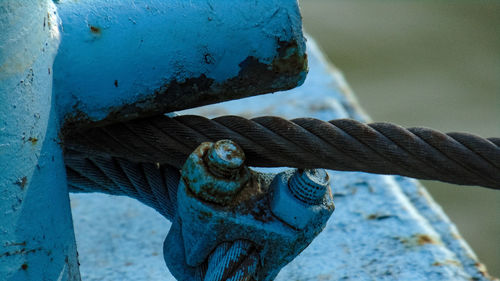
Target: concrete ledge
384,227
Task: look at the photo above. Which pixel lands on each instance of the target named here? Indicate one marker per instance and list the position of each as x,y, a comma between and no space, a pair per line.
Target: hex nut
208,184
294,212
224,159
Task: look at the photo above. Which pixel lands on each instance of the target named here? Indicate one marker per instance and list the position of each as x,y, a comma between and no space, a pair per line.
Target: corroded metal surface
210,185
259,208
384,227
120,60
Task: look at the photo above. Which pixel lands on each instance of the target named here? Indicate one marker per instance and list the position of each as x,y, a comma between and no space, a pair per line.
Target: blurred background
424,63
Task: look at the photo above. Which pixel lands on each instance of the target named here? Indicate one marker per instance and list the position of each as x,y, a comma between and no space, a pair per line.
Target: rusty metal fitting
224,159
302,198
215,172
264,212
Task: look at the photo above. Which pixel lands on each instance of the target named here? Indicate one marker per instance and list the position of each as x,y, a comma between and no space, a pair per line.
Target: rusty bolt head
216,172
224,159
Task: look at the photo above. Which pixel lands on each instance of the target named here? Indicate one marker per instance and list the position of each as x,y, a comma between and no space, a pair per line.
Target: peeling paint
423,239
286,71
417,240
166,63
95,30
22,182
33,140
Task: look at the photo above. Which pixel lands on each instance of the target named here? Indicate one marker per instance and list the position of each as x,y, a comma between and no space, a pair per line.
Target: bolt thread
224,159
221,171
309,186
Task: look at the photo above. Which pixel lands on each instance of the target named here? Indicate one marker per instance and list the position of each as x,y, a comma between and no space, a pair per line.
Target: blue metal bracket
266,209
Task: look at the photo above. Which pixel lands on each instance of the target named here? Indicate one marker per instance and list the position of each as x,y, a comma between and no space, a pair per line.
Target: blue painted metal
115,60
118,58
280,230
384,227
36,233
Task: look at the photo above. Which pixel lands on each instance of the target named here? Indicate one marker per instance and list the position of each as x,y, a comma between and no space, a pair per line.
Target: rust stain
24,266
49,24
74,121
252,198
33,140
254,78
95,30
447,262
423,239
22,251
22,182
482,269
418,240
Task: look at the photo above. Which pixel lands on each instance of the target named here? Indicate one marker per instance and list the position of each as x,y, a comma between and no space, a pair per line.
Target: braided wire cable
343,144
231,261
155,186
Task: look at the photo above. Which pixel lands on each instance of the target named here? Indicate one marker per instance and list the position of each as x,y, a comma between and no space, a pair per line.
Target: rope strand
154,186
344,145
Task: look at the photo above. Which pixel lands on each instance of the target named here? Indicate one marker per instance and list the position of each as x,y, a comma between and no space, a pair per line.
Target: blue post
36,232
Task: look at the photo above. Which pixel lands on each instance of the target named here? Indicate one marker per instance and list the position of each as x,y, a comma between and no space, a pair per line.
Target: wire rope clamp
221,200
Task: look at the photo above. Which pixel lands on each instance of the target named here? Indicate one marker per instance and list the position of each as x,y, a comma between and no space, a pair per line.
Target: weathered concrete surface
122,60
383,228
36,233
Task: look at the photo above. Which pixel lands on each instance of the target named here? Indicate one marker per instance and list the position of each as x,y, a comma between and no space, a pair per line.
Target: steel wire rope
343,144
